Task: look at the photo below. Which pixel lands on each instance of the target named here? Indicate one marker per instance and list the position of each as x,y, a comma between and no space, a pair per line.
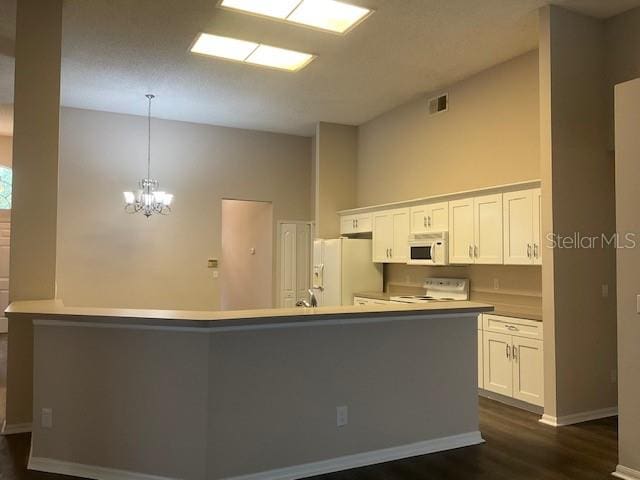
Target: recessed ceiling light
250,52
329,15
271,8
279,58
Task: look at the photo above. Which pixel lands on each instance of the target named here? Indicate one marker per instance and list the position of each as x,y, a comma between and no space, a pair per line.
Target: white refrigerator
341,267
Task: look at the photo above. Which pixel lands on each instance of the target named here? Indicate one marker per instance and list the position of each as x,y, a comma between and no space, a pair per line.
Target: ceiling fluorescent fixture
250,52
328,15
331,15
270,8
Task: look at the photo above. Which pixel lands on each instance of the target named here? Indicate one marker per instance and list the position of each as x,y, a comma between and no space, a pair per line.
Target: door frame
312,237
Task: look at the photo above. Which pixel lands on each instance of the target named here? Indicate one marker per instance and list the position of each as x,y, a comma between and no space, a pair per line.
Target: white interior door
518,227
528,371
498,375
303,260
461,231
288,264
5,236
488,229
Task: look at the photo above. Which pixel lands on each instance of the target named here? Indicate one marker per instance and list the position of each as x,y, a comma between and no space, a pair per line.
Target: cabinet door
400,246
498,370
461,231
528,370
438,217
347,224
419,219
480,361
488,229
363,223
537,226
382,236
518,227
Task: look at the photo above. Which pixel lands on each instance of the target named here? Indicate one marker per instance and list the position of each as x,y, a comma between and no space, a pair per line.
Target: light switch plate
638,304
605,290
46,418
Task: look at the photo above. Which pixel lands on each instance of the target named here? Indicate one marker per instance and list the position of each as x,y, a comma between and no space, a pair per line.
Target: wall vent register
439,104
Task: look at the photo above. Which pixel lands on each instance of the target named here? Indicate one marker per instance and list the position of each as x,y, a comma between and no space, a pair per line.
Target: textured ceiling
115,51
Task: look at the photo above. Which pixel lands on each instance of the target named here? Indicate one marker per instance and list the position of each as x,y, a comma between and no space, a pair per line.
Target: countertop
504,310
56,310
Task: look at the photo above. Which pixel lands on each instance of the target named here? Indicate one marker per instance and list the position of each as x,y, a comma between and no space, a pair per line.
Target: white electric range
438,290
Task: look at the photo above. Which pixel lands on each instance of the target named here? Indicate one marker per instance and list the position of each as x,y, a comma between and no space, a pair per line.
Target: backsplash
512,287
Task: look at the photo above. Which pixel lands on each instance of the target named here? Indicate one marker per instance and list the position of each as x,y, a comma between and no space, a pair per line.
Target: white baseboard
367,458
626,473
50,465
13,428
287,473
572,419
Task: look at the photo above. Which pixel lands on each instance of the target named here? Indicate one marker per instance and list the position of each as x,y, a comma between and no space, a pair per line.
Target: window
6,178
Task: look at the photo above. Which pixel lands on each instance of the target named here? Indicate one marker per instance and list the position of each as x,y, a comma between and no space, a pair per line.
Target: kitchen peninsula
255,394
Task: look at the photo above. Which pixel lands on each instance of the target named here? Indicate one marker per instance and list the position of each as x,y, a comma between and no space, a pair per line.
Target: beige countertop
56,310
505,310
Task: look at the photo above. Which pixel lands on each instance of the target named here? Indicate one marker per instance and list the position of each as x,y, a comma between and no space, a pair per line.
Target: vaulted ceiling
115,51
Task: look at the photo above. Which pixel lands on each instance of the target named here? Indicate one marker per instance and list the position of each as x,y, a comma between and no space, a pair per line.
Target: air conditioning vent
439,104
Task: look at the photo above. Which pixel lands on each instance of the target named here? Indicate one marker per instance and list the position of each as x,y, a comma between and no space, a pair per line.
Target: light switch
638,304
605,290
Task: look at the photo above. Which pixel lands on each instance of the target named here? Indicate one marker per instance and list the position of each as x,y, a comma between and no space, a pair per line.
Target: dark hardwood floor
517,447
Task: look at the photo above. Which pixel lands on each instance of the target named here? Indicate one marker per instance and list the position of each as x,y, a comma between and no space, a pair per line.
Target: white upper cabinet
433,217
537,226
521,217
475,230
359,223
488,229
391,236
461,238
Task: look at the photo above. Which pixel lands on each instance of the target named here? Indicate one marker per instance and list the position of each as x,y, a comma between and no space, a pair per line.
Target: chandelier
148,199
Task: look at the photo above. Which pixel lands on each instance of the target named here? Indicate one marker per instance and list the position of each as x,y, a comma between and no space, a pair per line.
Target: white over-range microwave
429,249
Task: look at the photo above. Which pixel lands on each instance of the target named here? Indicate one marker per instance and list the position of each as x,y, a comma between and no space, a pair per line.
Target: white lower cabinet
512,358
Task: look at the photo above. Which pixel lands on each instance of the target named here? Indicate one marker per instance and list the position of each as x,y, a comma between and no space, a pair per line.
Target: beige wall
622,35
627,119
578,196
489,136
109,258
35,185
336,155
246,264
6,150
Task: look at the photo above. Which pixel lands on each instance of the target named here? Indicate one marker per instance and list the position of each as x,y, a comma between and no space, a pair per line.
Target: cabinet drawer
518,327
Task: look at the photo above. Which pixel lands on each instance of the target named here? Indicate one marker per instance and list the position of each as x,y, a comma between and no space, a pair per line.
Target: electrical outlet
46,418
342,416
215,274
496,284
605,290
614,376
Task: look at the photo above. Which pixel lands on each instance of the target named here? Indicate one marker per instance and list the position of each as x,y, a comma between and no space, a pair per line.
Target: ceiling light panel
250,52
271,8
331,15
224,47
279,58
328,15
